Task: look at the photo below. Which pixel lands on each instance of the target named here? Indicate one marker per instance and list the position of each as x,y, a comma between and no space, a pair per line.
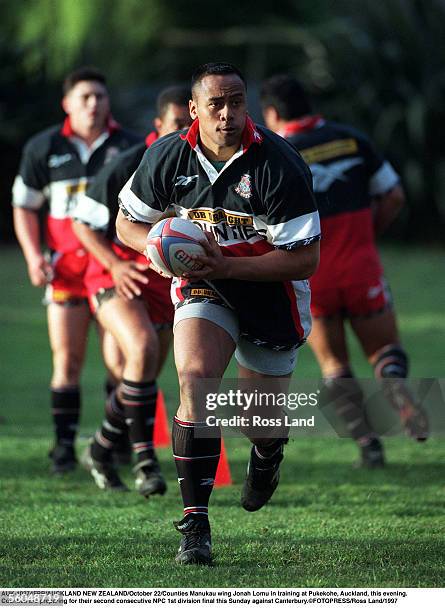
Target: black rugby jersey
347,171
99,207
262,193
347,174
262,199
56,167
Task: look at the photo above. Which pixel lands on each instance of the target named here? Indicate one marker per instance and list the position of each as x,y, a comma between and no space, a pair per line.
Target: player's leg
135,398
99,456
379,338
203,348
68,330
122,449
267,452
328,343
156,296
158,318
114,362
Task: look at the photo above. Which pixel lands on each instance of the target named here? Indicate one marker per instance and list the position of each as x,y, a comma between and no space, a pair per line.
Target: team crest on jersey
244,188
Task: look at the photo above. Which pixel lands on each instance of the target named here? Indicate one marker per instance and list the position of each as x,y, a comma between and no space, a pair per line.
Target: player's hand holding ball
212,263
173,244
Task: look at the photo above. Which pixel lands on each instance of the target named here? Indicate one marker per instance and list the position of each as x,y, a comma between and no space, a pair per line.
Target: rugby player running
56,167
359,194
134,306
252,192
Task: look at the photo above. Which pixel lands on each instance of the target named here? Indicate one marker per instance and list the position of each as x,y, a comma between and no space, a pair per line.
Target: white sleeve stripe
92,213
136,207
26,197
383,180
300,228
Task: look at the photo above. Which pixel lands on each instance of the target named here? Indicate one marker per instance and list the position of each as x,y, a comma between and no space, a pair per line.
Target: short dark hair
287,95
85,73
176,94
214,68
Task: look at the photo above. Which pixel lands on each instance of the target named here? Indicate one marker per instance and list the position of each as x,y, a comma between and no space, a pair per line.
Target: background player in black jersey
115,278
251,191
56,166
359,194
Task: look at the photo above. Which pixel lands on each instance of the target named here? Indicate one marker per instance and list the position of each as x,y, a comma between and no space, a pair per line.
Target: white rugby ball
171,243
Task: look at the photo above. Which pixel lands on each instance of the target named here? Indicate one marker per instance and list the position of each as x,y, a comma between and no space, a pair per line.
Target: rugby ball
171,243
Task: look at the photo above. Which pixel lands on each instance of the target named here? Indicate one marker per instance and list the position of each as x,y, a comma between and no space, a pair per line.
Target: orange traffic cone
161,433
223,477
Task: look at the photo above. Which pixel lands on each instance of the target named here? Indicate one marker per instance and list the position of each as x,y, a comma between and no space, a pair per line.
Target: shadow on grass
265,560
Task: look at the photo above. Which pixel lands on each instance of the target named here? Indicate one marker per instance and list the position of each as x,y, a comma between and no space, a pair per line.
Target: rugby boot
104,473
372,455
149,480
196,543
63,459
262,478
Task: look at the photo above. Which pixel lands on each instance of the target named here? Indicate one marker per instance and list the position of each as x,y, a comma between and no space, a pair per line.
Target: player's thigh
130,325
202,348
328,342
376,331
203,351
68,328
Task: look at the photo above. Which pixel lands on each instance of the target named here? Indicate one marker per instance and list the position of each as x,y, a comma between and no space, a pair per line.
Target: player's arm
141,204
278,265
385,190
386,208
125,274
28,197
132,234
27,230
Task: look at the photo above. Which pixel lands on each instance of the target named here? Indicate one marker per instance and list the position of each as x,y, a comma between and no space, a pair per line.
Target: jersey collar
67,130
250,135
83,150
150,138
305,124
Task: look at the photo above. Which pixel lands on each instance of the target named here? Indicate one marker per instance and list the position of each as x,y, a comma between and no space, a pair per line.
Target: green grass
328,525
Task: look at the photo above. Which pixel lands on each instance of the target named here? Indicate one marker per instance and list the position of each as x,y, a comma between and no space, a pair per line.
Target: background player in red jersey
252,191
358,195
57,164
141,327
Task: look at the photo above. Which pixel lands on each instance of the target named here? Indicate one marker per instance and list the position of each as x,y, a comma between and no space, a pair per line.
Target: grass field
328,525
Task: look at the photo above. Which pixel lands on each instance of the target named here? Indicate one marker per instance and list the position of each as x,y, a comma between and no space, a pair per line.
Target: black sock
109,387
196,460
268,451
65,404
113,426
139,401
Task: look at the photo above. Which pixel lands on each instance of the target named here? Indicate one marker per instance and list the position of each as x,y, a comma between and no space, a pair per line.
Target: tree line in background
380,68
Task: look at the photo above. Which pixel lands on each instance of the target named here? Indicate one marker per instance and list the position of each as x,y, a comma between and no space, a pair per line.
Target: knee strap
391,362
